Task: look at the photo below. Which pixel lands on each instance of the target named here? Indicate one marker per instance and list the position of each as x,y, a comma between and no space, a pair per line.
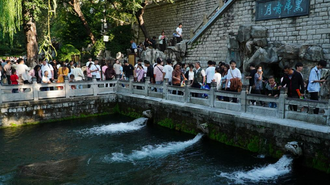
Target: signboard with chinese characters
275,9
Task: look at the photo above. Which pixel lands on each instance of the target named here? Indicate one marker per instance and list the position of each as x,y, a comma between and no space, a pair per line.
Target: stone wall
257,134
29,112
167,16
313,29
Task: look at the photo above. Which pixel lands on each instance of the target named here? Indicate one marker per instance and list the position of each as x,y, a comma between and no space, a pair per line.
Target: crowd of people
225,76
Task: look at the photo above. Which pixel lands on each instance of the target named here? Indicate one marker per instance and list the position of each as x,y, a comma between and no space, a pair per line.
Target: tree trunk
139,17
76,7
30,31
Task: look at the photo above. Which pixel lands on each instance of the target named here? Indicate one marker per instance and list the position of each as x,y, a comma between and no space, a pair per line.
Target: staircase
214,16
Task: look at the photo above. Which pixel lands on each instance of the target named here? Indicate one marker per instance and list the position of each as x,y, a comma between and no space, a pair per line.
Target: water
118,150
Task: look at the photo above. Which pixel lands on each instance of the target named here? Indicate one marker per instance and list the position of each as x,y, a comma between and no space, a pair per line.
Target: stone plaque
275,9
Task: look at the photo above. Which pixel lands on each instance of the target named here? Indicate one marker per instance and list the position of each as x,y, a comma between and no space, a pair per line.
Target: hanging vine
47,47
10,17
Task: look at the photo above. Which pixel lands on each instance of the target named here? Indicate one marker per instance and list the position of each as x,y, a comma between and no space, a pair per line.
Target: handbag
235,83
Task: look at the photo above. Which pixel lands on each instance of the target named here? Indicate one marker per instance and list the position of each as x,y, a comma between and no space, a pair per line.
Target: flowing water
118,150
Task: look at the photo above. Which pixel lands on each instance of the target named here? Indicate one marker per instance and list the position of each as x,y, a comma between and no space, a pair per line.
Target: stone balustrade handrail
186,94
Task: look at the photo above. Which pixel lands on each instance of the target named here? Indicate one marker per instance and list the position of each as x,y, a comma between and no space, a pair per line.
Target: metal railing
219,100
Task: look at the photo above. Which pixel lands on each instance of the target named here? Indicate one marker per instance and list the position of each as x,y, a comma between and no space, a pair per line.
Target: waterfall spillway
117,128
259,174
153,151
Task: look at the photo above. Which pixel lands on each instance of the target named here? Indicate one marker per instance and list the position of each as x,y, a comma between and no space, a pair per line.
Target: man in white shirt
116,67
178,33
210,71
47,67
167,71
233,72
22,71
96,70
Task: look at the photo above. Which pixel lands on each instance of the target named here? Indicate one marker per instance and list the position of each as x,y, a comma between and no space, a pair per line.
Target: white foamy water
266,173
153,151
117,128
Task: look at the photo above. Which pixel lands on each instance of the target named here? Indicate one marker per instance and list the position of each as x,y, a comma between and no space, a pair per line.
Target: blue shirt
314,76
134,45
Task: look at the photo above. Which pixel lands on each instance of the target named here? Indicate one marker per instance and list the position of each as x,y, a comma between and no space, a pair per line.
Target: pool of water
118,150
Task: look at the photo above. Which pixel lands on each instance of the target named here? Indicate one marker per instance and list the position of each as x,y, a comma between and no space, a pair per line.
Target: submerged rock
51,169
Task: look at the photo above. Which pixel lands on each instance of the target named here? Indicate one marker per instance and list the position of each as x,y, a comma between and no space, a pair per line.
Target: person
22,70
199,78
45,80
153,42
116,67
253,71
258,80
7,68
140,73
209,72
77,73
177,75
90,60
217,78
168,70
62,72
159,75
36,73
314,82
14,80
104,67
178,33
47,67
295,84
162,41
72,79
110,73
127,70
190,74
272,90
88,72
224,73
150,71
96,70
133,47
233,73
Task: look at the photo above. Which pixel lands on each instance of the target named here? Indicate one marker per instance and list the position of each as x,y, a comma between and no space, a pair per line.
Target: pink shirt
158,72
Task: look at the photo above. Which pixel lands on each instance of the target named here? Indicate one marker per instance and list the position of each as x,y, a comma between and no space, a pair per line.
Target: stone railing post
212,97
165,89
94,85
131,80
35,89
243,98
146,86
281,103
66,87
328,113
187,92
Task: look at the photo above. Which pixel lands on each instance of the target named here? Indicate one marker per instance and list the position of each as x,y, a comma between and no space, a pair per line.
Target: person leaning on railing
295,84
314,84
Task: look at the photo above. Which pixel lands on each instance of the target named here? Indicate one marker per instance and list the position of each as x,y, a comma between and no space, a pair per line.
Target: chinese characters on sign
274,9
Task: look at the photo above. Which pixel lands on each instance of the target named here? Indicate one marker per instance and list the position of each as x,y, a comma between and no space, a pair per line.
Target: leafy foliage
66,52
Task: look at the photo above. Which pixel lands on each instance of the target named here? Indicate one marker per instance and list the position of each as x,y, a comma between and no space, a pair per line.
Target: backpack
108,74
235,83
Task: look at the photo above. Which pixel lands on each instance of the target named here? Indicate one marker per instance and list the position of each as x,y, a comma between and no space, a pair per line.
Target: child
45,80
272,90
72,80
14,80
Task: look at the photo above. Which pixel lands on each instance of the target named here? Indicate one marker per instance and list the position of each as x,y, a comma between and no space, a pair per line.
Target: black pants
178,39
195,85
315,96
8,79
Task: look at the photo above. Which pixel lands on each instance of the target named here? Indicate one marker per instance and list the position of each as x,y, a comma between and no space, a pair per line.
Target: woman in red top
13,79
